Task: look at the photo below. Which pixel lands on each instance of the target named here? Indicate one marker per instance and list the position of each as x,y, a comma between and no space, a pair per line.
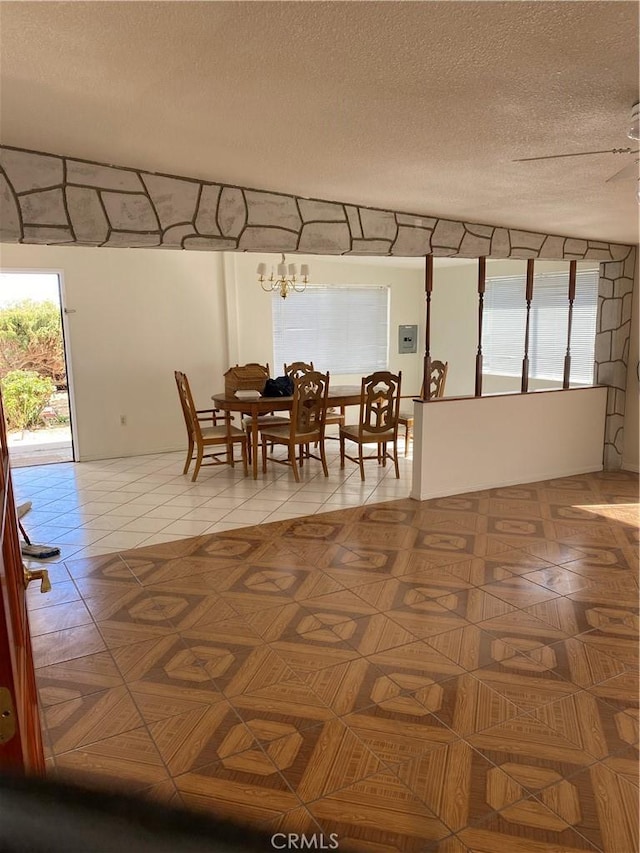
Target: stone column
613,332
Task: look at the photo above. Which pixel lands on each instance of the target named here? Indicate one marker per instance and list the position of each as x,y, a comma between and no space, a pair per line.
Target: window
342,329
504,321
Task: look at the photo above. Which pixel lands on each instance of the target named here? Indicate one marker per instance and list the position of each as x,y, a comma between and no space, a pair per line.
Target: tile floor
95,508
454,675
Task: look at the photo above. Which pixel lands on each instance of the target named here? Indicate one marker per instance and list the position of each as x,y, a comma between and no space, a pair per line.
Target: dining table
339,396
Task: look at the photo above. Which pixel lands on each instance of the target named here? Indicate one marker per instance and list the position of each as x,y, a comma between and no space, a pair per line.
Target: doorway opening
33,369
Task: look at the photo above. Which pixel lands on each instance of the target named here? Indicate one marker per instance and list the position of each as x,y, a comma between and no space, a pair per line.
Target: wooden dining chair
201,438
307,422
438,379
297,368
378,420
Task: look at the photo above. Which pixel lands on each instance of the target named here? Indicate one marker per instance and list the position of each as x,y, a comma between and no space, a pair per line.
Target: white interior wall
454,323
138,316
632,399
503,440
255,331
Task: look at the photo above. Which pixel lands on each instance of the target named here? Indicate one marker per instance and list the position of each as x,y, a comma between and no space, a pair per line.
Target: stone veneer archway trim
55,200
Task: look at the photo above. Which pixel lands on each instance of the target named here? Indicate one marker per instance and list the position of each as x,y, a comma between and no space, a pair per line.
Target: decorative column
524,385
482,274
571,296
428,289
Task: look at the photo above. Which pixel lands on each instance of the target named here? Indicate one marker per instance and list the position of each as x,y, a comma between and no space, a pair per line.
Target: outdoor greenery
25,394
31,339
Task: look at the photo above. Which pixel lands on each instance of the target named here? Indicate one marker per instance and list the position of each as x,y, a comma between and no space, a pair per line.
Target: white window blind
504,318
342,328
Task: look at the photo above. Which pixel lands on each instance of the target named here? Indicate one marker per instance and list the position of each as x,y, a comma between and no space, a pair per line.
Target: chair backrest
309,402
188,406
380,402
297,368
438,378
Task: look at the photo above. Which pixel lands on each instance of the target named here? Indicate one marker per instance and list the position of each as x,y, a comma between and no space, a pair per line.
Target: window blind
341,328
504,318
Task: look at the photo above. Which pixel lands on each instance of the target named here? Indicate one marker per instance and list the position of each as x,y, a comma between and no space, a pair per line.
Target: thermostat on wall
407,339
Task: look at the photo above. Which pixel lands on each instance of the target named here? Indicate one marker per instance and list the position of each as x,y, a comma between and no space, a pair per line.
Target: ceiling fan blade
629,171
578,154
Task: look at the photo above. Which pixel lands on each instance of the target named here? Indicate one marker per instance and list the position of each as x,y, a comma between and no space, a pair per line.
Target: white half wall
477,443
138,316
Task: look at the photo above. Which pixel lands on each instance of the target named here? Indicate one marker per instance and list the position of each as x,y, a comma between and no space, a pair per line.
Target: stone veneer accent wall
613,330
45,198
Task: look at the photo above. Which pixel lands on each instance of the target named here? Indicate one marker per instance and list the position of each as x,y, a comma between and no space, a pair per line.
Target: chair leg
189,456
406,439
243,447
361,460
248,440
294,462
198,462
342,451
323,458
230,460
395,458
264,456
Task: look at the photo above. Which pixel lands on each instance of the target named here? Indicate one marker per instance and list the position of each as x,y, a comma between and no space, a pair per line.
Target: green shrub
25,394
31,339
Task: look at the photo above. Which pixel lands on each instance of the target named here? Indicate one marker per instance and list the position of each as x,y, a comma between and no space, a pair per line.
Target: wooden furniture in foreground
214,436
378,421
339,395
306,425
438,379
21,750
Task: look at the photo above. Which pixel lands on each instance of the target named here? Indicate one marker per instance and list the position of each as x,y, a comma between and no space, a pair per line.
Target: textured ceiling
417,107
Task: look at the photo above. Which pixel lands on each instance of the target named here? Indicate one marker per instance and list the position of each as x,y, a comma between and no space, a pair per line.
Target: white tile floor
92,508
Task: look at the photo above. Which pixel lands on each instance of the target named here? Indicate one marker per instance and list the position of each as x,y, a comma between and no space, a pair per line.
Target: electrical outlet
123,420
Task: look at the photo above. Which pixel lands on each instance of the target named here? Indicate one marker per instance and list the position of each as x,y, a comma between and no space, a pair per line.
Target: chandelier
284,279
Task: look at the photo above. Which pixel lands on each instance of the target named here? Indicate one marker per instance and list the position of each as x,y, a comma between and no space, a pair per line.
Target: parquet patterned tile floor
454,675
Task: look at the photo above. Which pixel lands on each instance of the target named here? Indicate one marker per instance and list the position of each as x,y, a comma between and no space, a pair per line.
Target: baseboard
100,458
628,467
516,481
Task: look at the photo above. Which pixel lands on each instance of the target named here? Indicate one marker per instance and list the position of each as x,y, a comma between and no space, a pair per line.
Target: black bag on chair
281,386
